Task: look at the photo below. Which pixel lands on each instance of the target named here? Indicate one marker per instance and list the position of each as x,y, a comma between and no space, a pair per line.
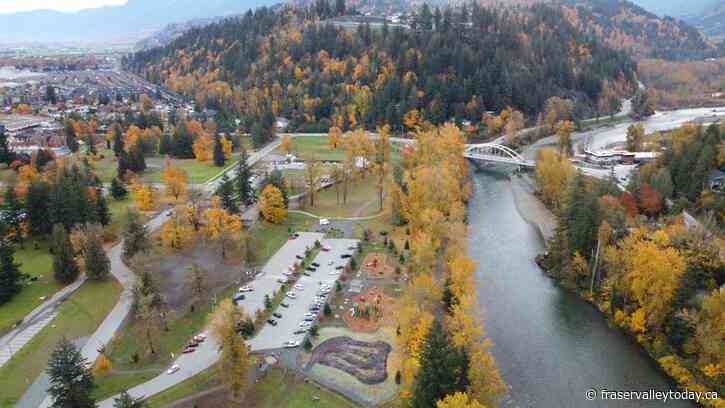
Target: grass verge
78,316
36,261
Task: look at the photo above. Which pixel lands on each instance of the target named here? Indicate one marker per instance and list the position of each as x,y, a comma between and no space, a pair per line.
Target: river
550,345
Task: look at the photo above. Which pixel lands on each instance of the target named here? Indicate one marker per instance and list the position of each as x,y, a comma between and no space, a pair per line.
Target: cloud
12,6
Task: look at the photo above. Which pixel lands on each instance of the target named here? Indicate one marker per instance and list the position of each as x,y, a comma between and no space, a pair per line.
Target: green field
306,146
267,238
78,316
36,263
276,389
198,172
361,201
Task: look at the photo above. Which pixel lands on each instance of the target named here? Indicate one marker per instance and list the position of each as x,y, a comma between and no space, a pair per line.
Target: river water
550,345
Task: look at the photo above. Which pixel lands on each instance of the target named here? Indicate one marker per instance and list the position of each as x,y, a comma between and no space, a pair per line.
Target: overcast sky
11,6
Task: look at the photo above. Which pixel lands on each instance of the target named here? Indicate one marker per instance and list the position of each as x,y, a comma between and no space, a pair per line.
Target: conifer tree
443,370
65,267
118,190
38,208
103,215
97,263
117,140
219,158
71,383
244,173
166,144
71,139
135,237
6,155
226,193
13,213
11,278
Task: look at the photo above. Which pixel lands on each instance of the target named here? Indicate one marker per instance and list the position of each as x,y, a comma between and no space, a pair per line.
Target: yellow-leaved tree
271,203
203,148
175,180
144,196
221,226
553,173
458,400
235,360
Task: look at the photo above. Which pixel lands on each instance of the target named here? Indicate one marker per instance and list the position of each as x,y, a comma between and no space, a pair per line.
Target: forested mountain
624,25
454,63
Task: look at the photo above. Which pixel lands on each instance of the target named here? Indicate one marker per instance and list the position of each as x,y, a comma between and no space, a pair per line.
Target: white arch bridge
496,153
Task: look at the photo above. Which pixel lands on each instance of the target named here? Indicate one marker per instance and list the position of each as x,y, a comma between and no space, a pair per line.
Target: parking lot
272,337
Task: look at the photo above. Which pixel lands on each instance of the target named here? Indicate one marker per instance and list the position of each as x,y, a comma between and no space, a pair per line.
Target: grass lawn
315,145
361,200
267,238
198,172
36,263
275,390
78,316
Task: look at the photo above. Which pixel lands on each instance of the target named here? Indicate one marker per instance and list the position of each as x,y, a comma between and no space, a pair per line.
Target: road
270,337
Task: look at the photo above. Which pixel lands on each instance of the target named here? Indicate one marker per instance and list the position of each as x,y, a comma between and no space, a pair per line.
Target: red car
189,350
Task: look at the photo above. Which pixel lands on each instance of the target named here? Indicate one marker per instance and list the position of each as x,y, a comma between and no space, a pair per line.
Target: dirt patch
172,270
366,361
376,265
370,310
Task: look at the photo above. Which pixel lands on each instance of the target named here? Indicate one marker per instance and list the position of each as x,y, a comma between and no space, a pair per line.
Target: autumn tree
221,226
564,130
635,137
553,173
197,281
144,196
177,232
175,180
458,400
235,361
334,137
313,178
286,144
271,203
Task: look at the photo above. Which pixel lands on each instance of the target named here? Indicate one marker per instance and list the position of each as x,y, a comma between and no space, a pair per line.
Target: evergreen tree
259,135
103,215
124,400
166,144
50,95
6,155
71,383
65,267
226,193
443,369
38,201
118,190
97,263
244,173
135,237
13,213
11,278
183,143
117,140
219,158
71,139
580,217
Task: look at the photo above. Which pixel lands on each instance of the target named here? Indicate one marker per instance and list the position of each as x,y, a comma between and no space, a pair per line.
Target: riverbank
531,209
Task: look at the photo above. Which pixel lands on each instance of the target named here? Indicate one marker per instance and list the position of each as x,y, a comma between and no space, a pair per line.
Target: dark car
284,304
315,264
300,257
339,267
277,315
311,269
272,322
238,297
192,344
189,350
345,256
300,331
306,273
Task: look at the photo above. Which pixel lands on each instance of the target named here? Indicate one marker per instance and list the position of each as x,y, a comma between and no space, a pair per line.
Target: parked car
174,368
283,304
300,331
246,288
277,315
345,256
300,257
291,344
325,248
292,295
281,280
315,264
272,322
189,350
200,337
299,286
306,273
238,297
339,267
311,269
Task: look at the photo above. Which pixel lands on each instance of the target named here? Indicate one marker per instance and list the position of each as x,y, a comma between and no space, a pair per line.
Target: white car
330,262
291,344
304,324
281,280
287,273
246,289
324,221
174,368
299,286
309,314
292,295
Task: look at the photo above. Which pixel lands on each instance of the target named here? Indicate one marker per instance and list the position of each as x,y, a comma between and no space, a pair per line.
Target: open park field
307,146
